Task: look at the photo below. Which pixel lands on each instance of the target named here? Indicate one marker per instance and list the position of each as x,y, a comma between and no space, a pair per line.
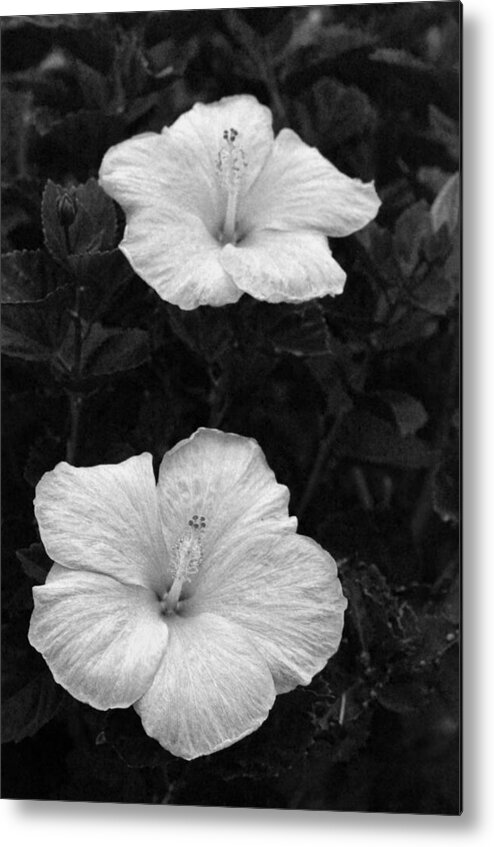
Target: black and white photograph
231,414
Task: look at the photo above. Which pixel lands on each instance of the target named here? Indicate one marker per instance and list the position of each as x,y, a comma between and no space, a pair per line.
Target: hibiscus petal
174,205
284,266
205,124
158,170
178,258
225,478
104,519
299,189
211,689
285,593
102,640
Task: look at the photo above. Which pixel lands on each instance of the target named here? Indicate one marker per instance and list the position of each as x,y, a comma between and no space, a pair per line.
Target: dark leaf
108,351
21,225
446,206
28,276
435,294
94,225
76,144
446,489
30,708
245,36
123,730
93,773
338,113
411,230
30,695
399,58
407,412
402,697
44,454
94,86
299,330
444,130
365,437
101,276
205,330
34,331
409,329
72,21
35,562
382,621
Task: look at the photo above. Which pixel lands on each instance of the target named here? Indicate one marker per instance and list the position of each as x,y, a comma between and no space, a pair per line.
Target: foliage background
353,399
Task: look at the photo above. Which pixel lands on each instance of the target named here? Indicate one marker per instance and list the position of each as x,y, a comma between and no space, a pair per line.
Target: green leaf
410,329
412,228
76,144
299,330
406,411
35,562
93,84
29,276
21,203
402,697
35,308
30,695
123,731
72,21
108,351
25,711
398,58
446,206
46,452
446,490
93,228
436,293
444,130
246,37
365,437
339,112
205,330
101,276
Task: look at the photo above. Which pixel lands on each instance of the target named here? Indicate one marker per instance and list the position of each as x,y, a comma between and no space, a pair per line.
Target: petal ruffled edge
212,688
284,591
103,519
103,641
299,189
289,267
180,260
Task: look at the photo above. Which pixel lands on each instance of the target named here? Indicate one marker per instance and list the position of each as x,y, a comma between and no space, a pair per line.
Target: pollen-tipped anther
231,166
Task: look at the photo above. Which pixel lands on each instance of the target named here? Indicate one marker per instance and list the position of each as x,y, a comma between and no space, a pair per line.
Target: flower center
186,558
230,166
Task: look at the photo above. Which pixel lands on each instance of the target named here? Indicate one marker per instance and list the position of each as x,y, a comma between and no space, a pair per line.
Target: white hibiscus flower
216,206
192,599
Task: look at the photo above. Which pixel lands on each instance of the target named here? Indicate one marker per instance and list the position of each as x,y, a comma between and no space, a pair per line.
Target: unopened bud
67,208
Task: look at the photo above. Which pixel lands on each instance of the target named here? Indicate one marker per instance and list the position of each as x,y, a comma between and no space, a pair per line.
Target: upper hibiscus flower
216,206
193,600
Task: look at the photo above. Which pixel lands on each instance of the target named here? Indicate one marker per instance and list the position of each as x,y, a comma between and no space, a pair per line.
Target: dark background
354,399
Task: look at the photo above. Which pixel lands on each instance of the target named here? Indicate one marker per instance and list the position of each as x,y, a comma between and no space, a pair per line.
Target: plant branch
75,397
319,464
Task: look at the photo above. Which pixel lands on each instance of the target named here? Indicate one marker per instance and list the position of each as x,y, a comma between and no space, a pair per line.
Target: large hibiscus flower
192,599
216,206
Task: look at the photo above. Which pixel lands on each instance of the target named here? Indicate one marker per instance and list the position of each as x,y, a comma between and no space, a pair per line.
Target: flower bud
67,208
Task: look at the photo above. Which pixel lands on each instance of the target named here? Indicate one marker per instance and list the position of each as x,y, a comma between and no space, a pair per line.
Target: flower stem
75,409
218,400
318,466
277,104
75,397
424,505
